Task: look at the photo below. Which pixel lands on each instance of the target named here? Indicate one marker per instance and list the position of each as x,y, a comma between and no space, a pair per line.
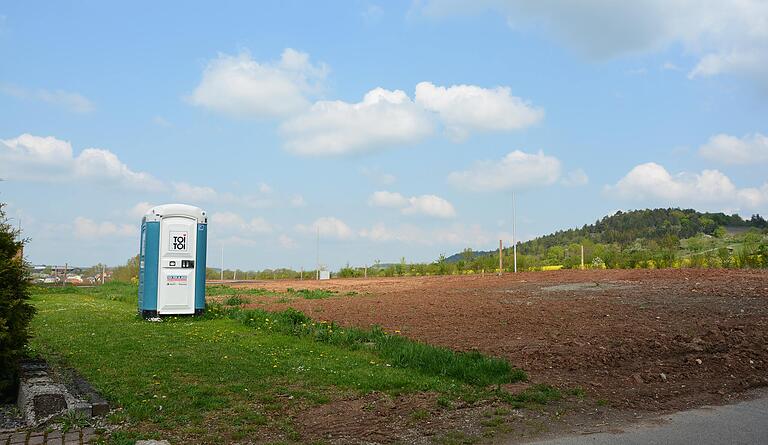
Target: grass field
236,374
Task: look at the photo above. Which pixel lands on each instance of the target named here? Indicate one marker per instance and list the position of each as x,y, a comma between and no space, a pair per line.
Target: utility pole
222,263
514,228
64,281
501,258
318,252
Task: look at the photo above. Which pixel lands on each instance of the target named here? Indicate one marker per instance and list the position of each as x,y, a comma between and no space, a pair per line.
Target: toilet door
176,277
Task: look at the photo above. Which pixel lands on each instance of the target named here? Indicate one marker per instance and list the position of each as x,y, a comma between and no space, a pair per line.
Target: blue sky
400,129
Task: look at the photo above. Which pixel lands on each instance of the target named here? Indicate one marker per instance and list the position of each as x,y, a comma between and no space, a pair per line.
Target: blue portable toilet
172,260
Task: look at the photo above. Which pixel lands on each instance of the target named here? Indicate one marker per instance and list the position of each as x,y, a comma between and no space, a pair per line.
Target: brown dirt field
642,340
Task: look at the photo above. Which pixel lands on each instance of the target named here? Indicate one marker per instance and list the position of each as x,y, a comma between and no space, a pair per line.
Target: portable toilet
172,260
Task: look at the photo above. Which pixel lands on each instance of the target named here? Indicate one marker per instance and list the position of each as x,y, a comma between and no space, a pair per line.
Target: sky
396,129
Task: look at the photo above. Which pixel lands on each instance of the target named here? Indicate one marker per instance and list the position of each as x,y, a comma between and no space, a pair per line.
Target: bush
15,312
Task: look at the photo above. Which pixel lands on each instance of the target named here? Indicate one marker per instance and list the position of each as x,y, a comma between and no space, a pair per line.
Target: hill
660,226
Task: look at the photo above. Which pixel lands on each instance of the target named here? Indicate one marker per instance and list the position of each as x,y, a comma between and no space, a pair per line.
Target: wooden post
501,259
582,257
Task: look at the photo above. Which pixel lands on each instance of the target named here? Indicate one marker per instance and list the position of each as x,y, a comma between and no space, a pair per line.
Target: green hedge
15,312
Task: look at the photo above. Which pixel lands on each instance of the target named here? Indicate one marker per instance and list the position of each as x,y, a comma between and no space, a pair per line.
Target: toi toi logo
179,242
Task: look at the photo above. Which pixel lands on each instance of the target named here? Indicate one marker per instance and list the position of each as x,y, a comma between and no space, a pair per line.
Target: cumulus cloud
727,149
230,221
36,158
454,235
139,210
68,100
575,178
287,242
650,182
428,205
384,118
514,171
85,228
727,36
463,108
240,86
387,199
329,227
194,193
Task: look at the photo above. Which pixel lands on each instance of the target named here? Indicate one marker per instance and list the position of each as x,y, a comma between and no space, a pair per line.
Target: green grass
236,374
312,294
392,350
114,291
220,290
236,300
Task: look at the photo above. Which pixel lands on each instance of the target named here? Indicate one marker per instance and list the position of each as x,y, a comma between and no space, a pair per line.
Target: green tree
128,272
15,311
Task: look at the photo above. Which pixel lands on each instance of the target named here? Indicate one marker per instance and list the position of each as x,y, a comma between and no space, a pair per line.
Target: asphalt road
742,423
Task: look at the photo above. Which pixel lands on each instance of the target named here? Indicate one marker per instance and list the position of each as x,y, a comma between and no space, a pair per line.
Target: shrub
15,312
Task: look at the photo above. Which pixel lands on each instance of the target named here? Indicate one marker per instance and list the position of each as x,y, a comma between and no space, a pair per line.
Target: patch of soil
641,340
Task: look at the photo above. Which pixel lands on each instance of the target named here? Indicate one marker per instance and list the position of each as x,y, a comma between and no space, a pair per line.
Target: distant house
74,279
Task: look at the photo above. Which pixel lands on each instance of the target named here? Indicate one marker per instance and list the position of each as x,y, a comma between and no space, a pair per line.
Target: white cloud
230,221
728,36
650,182
514,171
727,149
243,87
454,235
29,157
85,228
575,178
193,193
103,164
265,188
383,118
429,205
196,194
387,199
287,242
139,210
464,108
329,227
71,101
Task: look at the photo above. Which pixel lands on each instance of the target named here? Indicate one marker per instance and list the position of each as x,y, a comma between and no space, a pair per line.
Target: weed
455,438
312,294
420,414
539,394
72,420
444,402
236,300
577,392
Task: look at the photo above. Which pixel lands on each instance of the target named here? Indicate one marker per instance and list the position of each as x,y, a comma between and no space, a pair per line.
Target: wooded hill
659,226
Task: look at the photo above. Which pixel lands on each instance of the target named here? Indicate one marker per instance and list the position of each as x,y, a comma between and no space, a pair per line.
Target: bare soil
636,340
